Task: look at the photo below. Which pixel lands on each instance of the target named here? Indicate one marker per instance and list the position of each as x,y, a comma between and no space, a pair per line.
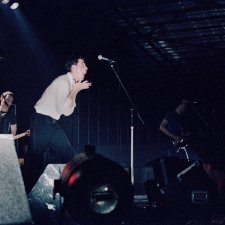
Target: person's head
76,65
182,107
6,100
211,151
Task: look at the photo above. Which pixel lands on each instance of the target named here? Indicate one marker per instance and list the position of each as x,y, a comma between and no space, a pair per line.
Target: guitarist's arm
13,128
27,133
163,128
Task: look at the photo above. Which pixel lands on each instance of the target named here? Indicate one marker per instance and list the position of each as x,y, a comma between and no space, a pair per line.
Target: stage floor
47,210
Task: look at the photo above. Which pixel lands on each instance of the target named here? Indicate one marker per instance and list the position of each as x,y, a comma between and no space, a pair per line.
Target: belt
49,118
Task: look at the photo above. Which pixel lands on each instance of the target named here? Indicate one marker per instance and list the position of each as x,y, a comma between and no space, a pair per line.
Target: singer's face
79,70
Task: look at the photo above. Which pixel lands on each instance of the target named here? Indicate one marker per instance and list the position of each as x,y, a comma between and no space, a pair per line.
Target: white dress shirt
55,102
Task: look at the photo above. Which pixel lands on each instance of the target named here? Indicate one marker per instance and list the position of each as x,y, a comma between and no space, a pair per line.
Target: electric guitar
180,144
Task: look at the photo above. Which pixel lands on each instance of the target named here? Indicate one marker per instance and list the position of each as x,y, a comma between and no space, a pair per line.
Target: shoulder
60,80
11,113
63,77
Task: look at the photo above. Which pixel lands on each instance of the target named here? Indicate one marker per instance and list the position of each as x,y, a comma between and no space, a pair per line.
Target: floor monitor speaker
14,207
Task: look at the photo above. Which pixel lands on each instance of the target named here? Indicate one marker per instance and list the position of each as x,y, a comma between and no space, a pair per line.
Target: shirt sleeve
64,105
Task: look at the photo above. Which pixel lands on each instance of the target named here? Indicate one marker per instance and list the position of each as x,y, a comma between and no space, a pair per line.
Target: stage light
5,2
14,6
101,193
103,199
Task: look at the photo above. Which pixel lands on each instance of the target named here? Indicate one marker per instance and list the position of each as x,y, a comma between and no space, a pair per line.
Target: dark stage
143,59
146,208
97,190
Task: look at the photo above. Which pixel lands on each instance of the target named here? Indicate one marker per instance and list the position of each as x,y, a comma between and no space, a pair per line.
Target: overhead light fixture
15,5
5,2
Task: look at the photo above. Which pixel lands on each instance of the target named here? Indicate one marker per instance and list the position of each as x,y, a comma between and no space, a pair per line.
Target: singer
58,99
8,122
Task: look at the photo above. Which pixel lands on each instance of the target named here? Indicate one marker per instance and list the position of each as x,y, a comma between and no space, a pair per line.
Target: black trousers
49,144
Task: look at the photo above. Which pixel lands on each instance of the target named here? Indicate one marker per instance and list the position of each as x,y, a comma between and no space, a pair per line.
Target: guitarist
175,125
8,122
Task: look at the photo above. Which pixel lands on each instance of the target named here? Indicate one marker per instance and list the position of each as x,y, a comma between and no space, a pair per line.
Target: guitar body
180,144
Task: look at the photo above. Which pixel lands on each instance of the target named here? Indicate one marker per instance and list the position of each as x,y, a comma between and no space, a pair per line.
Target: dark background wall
38,37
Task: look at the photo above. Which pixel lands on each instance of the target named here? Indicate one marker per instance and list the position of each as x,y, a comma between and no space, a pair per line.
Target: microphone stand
199,115
133,109
202,119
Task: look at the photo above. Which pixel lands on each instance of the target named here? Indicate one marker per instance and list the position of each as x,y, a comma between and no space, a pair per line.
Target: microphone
100,57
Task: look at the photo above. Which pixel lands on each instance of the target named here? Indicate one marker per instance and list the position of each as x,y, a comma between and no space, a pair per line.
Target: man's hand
177,138
78,86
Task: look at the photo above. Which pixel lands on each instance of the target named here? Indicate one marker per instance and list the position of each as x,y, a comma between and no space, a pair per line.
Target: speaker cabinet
14,206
